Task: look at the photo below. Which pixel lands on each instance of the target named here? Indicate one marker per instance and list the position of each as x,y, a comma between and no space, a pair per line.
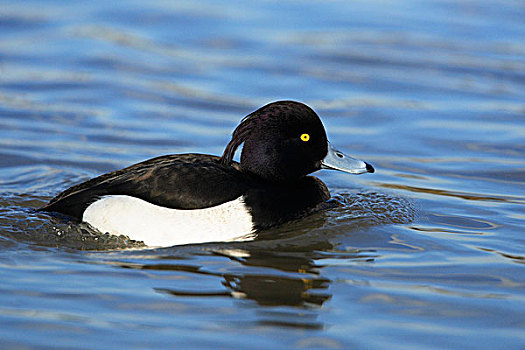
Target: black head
283,141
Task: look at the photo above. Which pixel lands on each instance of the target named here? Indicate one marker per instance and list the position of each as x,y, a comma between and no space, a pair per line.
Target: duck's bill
337,160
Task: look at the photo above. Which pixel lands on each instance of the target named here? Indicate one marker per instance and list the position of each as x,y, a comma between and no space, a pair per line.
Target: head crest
240,134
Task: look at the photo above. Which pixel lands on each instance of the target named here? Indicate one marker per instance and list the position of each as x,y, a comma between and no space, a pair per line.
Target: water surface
428,252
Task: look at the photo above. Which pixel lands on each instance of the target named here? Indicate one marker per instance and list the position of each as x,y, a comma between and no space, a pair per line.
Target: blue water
427,253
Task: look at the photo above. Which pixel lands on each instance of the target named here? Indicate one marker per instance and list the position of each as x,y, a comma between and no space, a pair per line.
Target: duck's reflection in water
293,280
300,285
287,287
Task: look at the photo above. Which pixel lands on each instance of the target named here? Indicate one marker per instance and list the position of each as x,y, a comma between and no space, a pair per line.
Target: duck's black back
182,181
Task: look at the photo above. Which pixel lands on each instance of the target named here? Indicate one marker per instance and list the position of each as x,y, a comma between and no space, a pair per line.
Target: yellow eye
305,137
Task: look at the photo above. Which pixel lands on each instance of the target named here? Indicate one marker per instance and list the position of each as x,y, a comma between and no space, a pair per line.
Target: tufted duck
195,198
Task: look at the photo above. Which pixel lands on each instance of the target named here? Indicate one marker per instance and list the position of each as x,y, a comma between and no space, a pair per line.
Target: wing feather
181,181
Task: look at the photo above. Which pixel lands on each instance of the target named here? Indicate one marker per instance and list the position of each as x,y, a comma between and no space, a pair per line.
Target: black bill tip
370,168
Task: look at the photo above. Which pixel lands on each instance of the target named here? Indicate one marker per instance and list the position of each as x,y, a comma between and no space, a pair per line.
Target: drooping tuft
240,134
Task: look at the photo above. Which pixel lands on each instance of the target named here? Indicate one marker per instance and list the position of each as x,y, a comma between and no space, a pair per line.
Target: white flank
158,226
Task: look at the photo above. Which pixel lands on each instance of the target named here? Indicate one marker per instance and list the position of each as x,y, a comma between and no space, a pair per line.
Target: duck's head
286,140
